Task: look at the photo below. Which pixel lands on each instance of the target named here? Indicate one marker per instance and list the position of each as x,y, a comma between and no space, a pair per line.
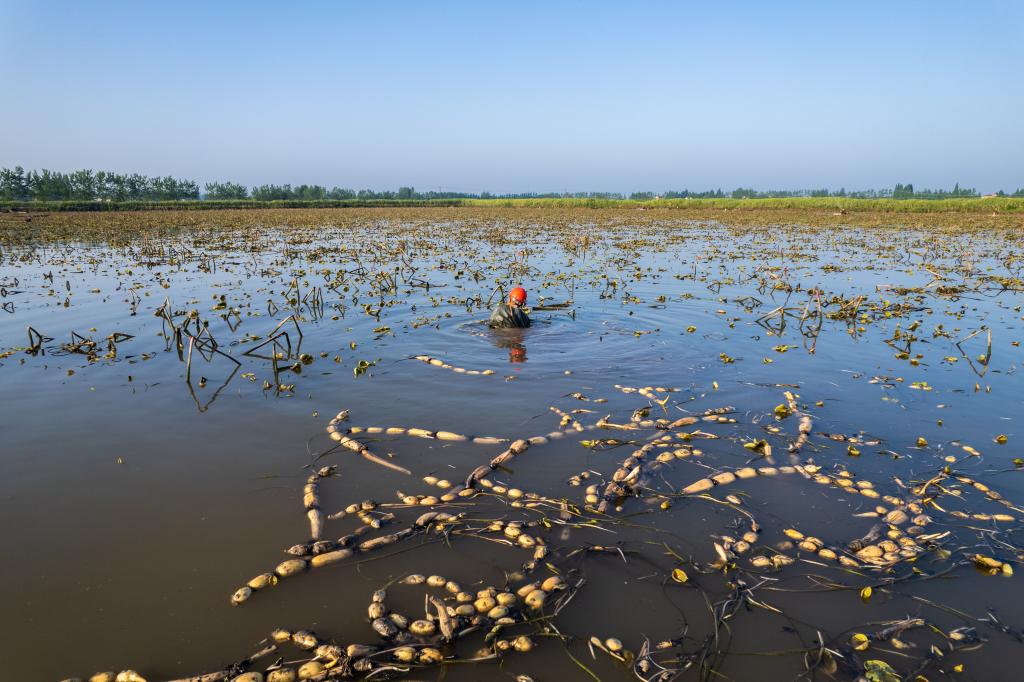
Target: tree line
85,185
318,192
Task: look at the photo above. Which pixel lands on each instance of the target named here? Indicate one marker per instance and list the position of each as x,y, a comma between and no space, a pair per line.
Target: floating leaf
879,671
859,641
899,643
679,575
987,563
865,594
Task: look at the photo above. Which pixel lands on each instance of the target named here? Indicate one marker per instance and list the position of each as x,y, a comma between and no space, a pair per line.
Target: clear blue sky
520,96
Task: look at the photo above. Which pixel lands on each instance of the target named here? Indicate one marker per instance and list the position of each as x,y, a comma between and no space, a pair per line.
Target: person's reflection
517,353
512,339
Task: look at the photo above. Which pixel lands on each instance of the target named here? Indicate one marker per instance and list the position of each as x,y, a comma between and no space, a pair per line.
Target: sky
520,96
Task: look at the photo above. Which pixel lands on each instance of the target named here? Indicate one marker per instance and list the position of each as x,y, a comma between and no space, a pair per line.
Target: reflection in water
513,339
203,407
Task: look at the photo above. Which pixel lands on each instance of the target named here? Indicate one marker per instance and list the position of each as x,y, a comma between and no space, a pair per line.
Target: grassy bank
837,204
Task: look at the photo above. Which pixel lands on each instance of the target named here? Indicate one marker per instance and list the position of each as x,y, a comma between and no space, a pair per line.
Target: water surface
136,502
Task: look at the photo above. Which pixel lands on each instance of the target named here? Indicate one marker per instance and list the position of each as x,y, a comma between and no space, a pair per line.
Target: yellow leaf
679,575
859,641
987,562
865,594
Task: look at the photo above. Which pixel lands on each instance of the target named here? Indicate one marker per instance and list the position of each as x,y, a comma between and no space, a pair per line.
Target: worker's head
517,296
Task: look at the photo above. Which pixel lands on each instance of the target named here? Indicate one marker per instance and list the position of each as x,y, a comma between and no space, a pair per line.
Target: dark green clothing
505,316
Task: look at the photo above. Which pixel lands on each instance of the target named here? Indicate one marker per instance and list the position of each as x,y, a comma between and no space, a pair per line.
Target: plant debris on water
726,448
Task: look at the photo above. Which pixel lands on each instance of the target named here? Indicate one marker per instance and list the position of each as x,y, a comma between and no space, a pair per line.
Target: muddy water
134,504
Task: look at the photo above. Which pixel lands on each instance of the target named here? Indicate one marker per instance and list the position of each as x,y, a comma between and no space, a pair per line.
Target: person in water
511,314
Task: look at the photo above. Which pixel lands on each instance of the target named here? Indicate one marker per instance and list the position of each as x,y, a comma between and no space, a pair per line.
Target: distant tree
103,185
82,184
48,185
339,193
14,185
162,189
903,191
136,186
309,192
226,190
272,192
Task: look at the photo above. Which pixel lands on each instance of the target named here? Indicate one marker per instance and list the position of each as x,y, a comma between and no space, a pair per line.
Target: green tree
83,185
226,190
14,184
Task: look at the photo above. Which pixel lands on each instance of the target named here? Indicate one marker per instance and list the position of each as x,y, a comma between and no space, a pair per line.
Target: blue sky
509,97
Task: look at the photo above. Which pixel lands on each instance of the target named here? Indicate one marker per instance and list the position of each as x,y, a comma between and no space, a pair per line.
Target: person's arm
500,316
520,318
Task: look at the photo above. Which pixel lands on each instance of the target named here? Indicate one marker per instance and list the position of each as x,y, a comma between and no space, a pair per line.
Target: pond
757,452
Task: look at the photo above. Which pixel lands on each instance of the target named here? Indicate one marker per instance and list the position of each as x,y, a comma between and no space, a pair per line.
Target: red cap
517,295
